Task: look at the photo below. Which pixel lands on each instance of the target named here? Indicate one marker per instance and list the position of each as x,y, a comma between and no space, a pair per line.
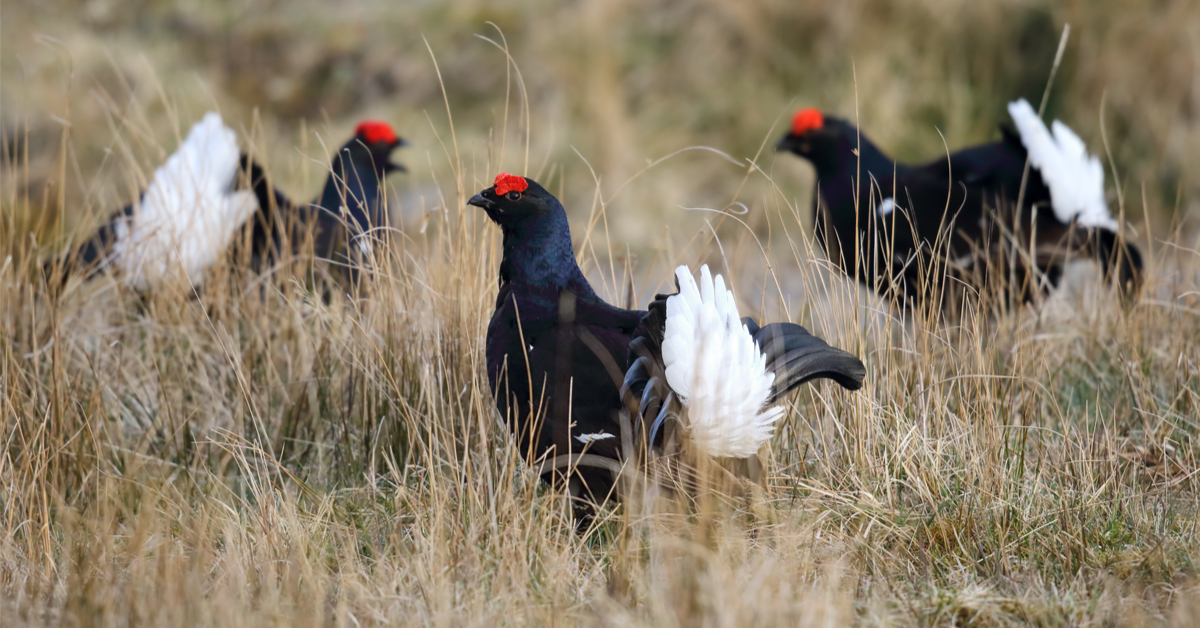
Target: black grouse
958,213
559,357
200,198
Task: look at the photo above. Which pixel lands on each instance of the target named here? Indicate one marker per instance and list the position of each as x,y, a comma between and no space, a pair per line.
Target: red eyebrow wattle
807,120
375,131
506,183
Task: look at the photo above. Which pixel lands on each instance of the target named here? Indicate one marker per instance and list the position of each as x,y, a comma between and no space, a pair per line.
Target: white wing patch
886,206
1075,178
718,370
189,215
364,244
587,438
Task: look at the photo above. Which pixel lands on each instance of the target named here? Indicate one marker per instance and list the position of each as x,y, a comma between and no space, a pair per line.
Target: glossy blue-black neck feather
354,182
538,252
839,162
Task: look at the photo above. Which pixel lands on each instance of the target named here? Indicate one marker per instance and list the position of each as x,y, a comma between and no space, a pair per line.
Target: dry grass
258,454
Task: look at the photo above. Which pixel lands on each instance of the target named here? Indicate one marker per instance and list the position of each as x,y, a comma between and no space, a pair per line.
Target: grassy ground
258,454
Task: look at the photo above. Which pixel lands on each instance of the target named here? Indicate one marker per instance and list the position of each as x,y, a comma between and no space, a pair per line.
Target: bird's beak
479,201
784,143
396,166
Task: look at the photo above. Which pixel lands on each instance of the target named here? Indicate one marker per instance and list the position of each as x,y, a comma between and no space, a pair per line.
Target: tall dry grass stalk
270,450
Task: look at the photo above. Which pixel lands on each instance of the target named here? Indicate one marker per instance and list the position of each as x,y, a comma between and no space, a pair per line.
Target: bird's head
373,143
513,201
537,238
811,133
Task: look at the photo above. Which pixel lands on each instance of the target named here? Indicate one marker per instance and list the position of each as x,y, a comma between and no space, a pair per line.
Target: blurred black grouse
953,212
206,181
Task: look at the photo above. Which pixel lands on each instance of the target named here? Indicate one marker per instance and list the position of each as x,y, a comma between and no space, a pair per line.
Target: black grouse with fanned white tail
207,190
559,357
896,227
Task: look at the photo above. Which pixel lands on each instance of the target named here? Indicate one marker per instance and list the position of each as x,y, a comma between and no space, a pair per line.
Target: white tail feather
713,363
189,215
1075,178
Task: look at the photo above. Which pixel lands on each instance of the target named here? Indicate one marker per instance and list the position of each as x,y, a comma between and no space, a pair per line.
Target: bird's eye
804,147
513,196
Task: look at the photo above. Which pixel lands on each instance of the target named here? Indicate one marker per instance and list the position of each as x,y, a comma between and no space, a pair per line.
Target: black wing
275,214
645,392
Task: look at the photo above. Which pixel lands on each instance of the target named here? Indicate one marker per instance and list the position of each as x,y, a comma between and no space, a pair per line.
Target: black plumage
356,175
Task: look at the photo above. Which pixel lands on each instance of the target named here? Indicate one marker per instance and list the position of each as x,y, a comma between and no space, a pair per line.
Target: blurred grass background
621,82
259,455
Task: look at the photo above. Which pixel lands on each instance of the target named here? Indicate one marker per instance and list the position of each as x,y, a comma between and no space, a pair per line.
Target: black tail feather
271,219
797,357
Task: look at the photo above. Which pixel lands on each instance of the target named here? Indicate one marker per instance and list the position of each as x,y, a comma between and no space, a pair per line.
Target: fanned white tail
189,214
718,370
1075,178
